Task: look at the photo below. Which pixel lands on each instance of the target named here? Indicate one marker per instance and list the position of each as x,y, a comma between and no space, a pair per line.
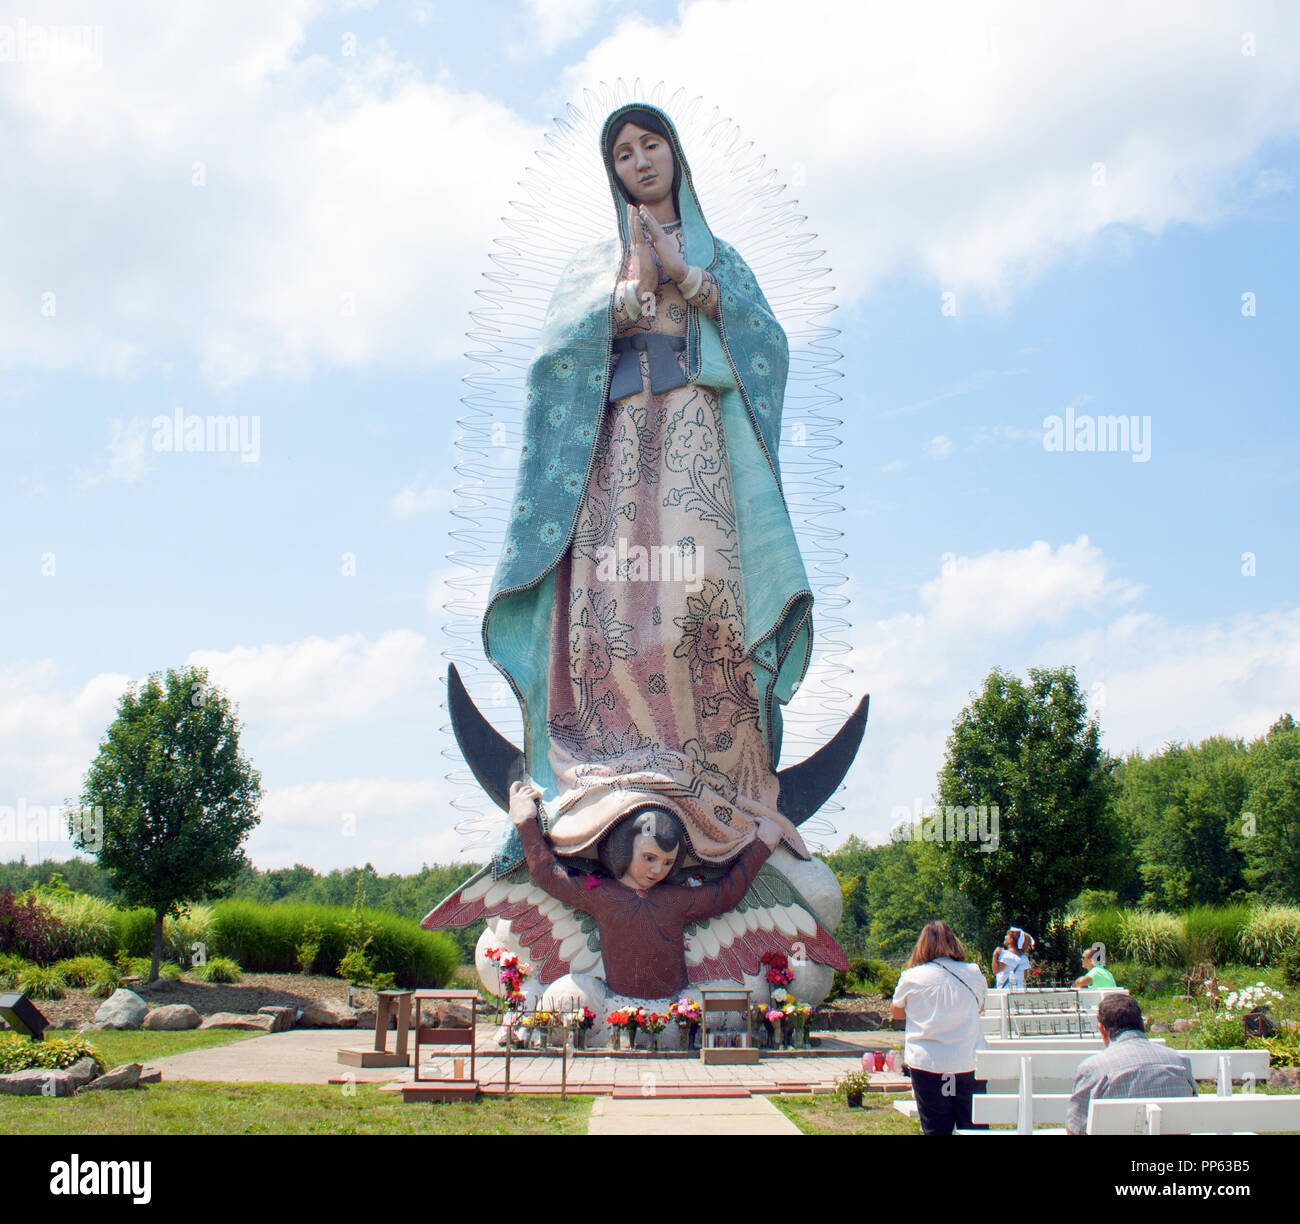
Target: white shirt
943,1000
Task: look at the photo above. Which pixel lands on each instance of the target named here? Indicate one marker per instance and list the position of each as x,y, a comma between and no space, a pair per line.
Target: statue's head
643,848
639,152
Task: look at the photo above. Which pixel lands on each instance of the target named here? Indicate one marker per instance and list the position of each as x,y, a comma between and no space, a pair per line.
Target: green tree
1031,751
906,889
1183,806
177,797
1271,838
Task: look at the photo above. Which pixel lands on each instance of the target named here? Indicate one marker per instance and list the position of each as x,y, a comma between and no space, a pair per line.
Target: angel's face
650,863
644,162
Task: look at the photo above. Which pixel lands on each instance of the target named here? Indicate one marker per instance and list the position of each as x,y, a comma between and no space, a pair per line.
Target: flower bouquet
625,1021
686,1014
512,972
578,1022
654,1023
800,1018
540,1023
778,969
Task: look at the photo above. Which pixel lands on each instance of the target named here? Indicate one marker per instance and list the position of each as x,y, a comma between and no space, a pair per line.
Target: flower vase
579,1039
799,1038
693,1038
654,1043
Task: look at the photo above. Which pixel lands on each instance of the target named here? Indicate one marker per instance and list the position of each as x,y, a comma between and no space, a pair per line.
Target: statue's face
644,162
650,863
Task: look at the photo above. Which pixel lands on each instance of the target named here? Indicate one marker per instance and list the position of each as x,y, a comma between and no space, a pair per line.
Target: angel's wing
559,939
771,917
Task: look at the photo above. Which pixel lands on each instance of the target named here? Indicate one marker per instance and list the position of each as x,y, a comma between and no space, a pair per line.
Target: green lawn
144,1046
829,1115
197,1108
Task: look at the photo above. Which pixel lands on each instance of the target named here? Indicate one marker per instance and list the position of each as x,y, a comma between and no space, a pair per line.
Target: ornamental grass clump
1269,932
42,982
1212,934
90,973
1151,937
218,969
87,922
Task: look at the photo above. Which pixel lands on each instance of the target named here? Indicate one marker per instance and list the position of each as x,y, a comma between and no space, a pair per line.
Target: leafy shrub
1101,926
87,922
355,966
885,980
1269,932
20,1054
91,973
1151,937
42,982
1220,1033
265,938
1291,967
1283,1047
29,927
218,969
309,949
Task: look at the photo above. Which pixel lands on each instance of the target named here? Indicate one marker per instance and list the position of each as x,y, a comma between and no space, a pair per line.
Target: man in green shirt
1095,973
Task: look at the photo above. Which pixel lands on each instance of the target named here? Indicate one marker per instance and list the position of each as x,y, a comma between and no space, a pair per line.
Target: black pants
943,1101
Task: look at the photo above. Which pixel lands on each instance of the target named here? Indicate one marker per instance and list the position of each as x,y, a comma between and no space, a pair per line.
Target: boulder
1285,1077
327,1013
151,1075
367,1018
125,1076
1184,1025
123,1009
453,1013
1160,1026
233,1020
37,1082
82,1072
172,1017
283,1017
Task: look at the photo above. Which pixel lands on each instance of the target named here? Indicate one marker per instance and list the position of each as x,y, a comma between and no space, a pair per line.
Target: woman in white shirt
940,994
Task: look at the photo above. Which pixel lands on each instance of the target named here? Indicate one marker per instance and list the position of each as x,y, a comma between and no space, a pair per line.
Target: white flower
779,995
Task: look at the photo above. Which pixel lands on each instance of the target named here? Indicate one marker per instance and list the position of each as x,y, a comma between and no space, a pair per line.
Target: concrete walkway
652,1116
310,1056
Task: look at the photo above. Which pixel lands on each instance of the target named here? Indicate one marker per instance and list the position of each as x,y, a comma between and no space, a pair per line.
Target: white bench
1055,1070
1034,1087
1245,1113
1043,1082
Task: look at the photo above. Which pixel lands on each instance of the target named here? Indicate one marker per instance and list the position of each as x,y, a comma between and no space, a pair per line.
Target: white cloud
127,455
416,499
215,191
297,689
396,825
959,141
558,22
939,447
1006,591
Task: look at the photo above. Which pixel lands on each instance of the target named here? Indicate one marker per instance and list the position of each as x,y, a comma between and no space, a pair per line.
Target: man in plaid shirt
1129,1066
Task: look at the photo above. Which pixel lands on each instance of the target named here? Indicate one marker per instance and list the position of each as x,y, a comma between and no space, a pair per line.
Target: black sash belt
665,373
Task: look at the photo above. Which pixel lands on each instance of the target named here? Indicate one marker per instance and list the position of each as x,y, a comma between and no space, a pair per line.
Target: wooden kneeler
737,1000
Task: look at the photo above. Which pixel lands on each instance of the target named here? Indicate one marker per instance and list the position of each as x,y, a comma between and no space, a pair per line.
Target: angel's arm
547,871
710,900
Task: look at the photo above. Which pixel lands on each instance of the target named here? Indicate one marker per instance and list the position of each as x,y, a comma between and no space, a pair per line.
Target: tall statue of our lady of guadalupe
650,608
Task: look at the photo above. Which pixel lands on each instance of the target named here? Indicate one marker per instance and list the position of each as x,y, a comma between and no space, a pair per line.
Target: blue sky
221,211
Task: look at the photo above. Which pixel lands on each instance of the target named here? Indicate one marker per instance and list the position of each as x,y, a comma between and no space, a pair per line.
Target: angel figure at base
641,919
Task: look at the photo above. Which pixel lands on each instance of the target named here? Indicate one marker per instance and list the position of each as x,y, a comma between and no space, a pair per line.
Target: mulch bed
854,1013
254,990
